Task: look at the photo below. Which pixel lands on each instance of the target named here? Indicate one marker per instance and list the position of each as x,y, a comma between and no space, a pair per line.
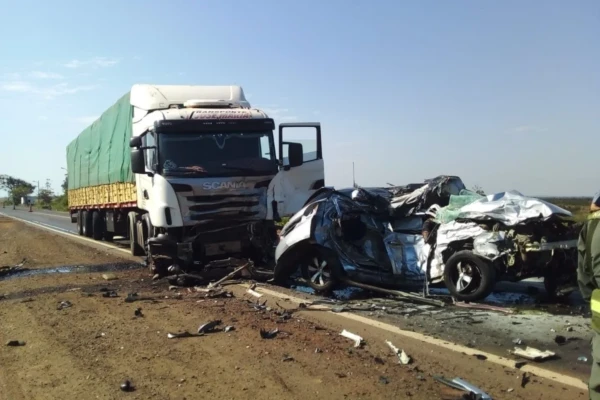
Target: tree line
18,188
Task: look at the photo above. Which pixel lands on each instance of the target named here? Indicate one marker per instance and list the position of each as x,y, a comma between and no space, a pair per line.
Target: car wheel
469,277
320,270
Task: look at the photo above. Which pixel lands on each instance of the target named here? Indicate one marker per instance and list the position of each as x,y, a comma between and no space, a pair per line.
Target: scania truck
190,175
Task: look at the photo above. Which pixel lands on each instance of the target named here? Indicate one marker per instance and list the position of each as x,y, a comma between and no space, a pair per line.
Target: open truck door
301,171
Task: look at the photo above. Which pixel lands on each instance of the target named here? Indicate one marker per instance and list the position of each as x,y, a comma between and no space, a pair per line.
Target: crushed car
432,233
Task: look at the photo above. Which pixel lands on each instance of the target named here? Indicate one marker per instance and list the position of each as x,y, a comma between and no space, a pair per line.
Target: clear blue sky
505,94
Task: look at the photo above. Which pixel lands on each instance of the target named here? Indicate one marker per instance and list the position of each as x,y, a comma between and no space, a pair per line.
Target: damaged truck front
416,234
190,176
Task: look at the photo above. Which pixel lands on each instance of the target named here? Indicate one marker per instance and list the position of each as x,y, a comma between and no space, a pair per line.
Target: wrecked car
435,232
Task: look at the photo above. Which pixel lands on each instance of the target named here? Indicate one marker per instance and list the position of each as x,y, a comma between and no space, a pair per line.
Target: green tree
15,187
65,184
46,194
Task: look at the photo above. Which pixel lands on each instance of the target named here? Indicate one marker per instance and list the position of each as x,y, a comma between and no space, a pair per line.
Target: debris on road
520,364
560,340
229,276
478,306
64,304
465,386
517,341
358,341
383,380
15,343
7,269
268,334
180,335
138,312
228,328
127,387
109,277
582,359
403,358
524,379
110,293
254,293
480,357
533,354
287,358
209,326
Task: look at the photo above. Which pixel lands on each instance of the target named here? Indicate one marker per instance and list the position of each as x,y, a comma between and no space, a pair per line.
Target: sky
504,94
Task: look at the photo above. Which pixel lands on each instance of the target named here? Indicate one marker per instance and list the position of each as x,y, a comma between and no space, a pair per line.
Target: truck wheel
469,277
108,236
88,227
136,249
97,225
80,223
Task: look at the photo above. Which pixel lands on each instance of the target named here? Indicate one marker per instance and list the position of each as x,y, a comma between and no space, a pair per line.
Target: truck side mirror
135,142
138,164
295,154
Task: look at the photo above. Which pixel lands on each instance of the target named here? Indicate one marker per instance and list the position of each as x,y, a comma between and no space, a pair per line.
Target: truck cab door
301,171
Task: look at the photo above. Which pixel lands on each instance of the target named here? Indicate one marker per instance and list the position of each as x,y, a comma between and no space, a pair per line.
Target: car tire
469,277
97,225
320,269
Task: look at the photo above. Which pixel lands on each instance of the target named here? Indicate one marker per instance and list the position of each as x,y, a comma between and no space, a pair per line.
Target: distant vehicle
375,236
189,174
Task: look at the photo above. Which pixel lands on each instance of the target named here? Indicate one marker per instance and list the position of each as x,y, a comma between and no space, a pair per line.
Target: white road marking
504,362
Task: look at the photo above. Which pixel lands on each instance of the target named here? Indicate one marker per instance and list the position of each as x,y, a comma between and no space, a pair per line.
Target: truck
191,176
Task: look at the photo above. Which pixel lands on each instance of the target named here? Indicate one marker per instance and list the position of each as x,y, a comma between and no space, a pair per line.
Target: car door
301,171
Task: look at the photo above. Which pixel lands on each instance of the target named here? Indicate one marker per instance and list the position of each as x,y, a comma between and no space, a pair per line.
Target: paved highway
52,219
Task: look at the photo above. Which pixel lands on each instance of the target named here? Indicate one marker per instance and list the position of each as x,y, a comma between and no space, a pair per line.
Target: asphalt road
535,324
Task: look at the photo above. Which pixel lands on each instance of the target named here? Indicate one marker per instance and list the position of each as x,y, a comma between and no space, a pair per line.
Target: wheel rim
467,277
319,272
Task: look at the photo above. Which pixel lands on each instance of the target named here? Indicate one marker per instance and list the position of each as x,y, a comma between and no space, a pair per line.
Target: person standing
588,277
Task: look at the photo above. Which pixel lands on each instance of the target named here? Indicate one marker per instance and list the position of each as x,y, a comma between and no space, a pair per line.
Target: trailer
190,175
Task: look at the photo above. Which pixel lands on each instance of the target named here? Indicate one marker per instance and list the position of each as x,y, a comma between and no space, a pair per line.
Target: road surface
534,324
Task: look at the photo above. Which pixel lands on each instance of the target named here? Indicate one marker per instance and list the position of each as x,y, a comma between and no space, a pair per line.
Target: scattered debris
463,385
398,294
253,293
560,340
138,312
318,350
64,304
180,335
228,328
15,343
358,341
480,357
517,341
524,379
383,380
172,287
127,387
268,334
520,364
110,293
209,326
403,358
533,354
569,329
340,375
287,358
582,359
484,307
109,277
510,390
230,276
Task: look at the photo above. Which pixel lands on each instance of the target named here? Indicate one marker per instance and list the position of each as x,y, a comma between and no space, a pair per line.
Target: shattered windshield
217,154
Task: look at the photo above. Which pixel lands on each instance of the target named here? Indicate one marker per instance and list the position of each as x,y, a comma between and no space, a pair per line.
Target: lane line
493,358
502,361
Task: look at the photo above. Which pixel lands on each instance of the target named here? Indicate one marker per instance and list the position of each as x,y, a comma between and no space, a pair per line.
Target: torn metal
429,233
461,384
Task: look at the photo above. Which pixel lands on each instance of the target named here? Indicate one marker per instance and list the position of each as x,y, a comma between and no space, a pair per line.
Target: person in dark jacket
588,276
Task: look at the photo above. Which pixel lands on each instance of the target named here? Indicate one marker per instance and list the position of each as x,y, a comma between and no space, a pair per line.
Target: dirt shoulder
89,348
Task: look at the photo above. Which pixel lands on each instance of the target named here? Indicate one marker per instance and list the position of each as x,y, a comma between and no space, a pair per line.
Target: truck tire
80,223
469,277
88,227
136,249
108,236
97,225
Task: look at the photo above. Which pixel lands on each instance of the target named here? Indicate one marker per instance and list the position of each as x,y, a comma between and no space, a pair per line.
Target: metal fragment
358,341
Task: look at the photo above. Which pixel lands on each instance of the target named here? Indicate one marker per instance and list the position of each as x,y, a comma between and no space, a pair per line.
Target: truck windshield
217,154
